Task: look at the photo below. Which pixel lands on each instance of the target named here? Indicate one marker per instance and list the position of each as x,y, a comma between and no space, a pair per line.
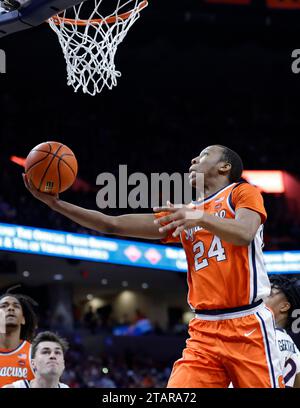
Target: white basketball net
89,43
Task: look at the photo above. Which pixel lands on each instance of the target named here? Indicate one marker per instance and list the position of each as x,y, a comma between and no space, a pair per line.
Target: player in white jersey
48,362
290,358
284,298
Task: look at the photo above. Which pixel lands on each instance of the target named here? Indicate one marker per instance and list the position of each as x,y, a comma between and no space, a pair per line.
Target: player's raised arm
131,225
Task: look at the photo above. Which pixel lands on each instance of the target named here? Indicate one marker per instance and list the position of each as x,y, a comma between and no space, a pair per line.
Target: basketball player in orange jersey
232,337
20,325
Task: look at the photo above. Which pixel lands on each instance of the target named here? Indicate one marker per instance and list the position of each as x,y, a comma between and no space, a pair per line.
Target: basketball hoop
89,44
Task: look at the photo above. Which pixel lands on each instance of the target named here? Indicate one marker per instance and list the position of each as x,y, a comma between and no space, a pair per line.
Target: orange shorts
238,348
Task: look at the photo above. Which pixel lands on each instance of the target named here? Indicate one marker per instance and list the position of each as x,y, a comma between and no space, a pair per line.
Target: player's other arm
239,231
249,215
131,225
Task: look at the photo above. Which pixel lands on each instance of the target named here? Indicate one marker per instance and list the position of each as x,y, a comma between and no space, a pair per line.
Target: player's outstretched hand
179,218
48,199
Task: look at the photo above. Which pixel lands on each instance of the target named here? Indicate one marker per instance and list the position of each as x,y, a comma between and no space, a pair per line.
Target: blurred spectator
90,320
7,212
127,371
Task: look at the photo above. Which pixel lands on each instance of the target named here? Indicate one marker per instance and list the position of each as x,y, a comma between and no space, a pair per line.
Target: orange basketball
51,167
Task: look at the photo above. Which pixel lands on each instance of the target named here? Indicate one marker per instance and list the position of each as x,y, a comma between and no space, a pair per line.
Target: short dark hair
236,162
48,336
291,289
27,304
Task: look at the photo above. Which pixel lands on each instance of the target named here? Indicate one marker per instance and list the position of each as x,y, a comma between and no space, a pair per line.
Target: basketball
51,167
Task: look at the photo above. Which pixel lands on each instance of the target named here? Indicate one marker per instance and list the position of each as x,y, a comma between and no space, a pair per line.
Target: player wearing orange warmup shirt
20,324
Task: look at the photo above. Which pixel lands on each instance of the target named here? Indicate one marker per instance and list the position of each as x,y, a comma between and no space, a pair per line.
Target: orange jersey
220,274
15,364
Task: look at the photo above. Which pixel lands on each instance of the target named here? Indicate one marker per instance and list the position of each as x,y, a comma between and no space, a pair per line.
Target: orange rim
59,20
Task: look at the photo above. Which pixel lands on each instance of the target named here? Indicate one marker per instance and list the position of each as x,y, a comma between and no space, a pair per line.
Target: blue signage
39,241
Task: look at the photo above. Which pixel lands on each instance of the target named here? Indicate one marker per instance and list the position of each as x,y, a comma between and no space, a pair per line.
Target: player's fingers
178,231
31,186
164,208
167,218
172,225
25,179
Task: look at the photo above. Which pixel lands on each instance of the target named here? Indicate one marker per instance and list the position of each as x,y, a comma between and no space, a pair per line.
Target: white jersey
26,384
289,356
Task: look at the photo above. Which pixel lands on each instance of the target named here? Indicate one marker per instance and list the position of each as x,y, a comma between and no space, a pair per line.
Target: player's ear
285,307
23,320
33,365
224,168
